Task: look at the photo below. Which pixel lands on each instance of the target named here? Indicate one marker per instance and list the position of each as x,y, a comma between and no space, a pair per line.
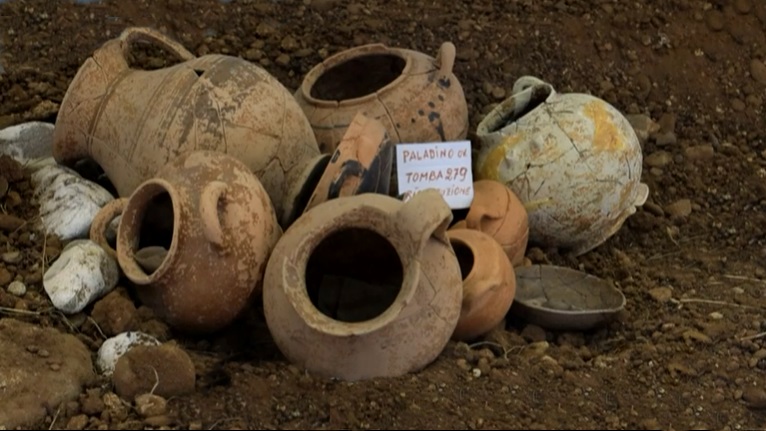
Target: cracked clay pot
573,160
489,282
498,212
416,97
194,239
131,122
365,286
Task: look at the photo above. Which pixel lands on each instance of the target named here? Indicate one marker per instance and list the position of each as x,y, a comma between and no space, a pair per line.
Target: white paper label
445,166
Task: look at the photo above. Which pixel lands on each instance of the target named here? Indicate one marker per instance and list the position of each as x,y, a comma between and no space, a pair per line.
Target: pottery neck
152,218
529,95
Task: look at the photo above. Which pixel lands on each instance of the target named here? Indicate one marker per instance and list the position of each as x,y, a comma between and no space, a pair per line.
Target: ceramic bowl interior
560,298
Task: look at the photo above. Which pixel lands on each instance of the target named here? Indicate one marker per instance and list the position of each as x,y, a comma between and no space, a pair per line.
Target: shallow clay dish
560,298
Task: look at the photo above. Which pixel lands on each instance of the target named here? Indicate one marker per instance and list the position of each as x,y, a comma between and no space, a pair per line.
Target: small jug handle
446,58
102,219
474,219
134,34
424,216
213,192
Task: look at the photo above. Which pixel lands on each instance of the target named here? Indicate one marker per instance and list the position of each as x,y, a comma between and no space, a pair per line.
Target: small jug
194,240
365,286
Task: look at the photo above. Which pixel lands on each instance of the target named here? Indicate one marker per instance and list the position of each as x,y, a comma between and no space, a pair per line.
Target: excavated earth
687,351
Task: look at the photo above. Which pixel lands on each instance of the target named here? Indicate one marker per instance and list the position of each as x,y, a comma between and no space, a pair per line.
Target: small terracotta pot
489,282
218,226
360,164
416,97
365,286
498,212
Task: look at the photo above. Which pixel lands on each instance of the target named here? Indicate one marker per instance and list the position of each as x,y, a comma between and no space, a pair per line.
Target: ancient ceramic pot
489,282
365,286
416,97
217,226
133,121
360,164
573,159
498,212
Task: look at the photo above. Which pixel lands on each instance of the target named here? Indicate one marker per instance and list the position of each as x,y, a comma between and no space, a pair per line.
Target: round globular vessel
573,160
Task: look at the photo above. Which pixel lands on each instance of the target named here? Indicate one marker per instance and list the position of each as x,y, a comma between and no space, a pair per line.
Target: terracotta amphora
195,239
131,122
489,282
497,211
360,164
365,286
417,97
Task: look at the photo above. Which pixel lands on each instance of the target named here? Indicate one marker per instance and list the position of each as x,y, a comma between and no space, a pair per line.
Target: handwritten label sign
445,166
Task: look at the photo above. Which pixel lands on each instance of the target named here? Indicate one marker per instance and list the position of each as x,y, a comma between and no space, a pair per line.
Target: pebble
113,348
757,356
498,93
699,152
149,405
758,71
696,336
658,159
754,397
5,276
12,257
17,288
738,105
665,139
117,409
679,208
289,44
283,60
533,333
643,125
167,370
654,209
661,294
78,422
716,315
743,6
715,20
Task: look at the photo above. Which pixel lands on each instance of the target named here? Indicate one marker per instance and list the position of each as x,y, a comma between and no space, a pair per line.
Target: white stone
82,273
27,141
113,348
17,288
68,202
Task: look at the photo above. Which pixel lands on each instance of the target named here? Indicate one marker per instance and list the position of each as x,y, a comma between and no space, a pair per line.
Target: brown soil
694,282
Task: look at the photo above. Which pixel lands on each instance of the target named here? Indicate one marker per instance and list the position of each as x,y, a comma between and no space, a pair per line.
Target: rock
283,60
658,159
743,6
654,209
12,257
68,202
115,314
757,357
738,105
82,273
166,368
29,384
78,422
661,294
5,276
643,125
17,288
694,335
27,141
113,348
115,407
534,334
289,44
715,20
679,208
10,223
148,405
754,397
499,93
700,152
716,315
536,350
92,405
665,139
758,71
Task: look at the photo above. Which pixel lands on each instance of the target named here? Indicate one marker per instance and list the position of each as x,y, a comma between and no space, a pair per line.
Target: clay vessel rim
127,247
342,57
317,320
467,244
491,123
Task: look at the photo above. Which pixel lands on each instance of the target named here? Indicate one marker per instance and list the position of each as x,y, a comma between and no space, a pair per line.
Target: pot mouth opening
358,77
354,275
153,238
465,257
503,116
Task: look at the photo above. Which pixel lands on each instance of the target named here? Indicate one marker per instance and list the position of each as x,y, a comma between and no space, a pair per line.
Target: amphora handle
424,216
211,195
446,58
100,223
132,35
